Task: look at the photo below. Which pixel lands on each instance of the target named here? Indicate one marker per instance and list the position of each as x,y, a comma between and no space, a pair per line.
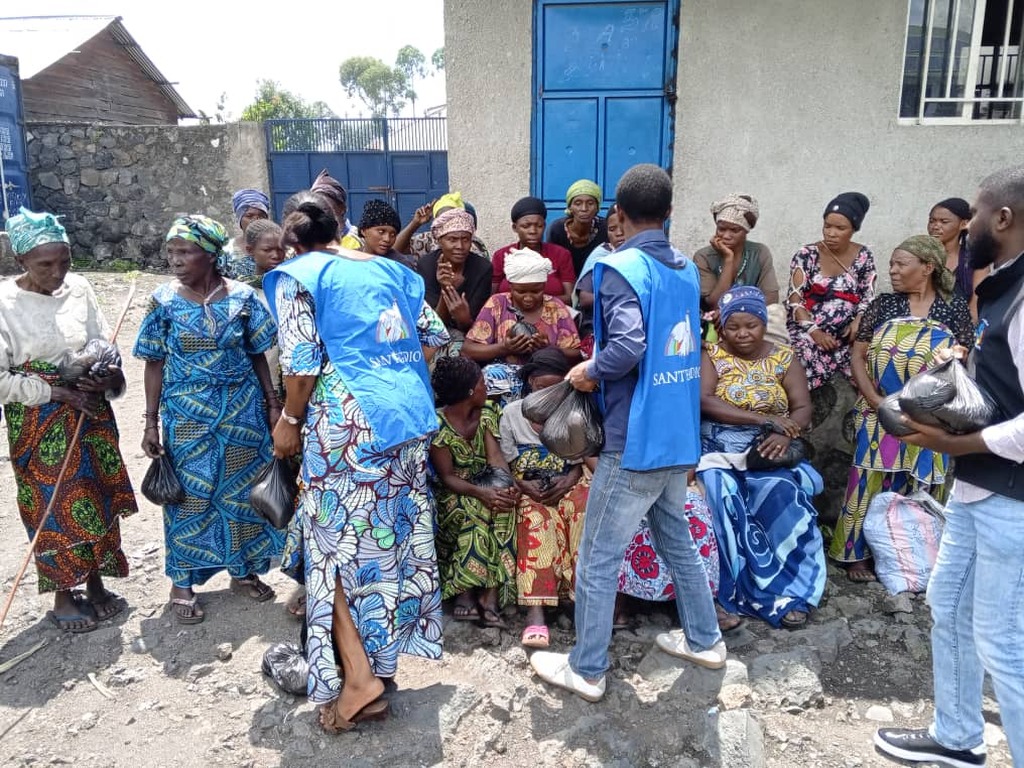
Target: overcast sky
211,47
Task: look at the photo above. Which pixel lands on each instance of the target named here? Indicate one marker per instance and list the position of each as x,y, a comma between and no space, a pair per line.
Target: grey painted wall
488,72
791,101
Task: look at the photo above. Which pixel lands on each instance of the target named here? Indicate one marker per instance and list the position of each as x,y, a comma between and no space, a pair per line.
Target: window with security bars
963,61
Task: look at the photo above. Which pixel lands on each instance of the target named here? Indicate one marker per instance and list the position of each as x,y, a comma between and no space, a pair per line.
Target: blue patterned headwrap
743,298
29,230
244,199
208,234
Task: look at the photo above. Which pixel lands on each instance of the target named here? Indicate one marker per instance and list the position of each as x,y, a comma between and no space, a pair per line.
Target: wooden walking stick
60,475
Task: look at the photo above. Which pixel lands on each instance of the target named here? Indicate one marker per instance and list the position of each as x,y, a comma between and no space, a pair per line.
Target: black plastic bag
94,359
521,327
161,485
946,397
575,430
273,496
890,415
285,664
538,406
492,477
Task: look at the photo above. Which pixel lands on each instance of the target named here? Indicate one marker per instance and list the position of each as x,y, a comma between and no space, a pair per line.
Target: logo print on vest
681,341
391,327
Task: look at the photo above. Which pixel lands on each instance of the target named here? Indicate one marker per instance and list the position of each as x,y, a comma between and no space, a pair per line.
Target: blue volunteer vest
366,315
664,415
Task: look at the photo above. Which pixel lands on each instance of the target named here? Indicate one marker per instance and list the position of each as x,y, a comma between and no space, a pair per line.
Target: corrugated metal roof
39,41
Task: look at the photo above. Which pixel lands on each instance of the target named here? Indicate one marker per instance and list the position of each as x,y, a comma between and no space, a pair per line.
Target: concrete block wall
119,187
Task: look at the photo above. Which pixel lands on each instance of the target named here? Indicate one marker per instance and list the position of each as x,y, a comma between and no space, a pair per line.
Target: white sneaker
674,643
554,668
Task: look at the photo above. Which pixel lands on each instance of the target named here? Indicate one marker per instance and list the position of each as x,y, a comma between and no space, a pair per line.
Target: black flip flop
109,598
497,621
470,613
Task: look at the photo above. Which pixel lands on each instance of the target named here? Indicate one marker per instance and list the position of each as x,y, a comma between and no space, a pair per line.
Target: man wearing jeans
977,588
647,364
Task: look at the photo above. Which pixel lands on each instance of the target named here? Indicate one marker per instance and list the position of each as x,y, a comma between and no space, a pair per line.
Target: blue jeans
976,594
618,500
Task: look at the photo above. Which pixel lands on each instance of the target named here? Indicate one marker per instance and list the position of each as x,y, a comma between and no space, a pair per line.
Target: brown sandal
333,723
187,611
253,588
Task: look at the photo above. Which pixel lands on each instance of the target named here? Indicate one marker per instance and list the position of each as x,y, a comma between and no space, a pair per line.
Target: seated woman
490,339
645,576
458,282
236,260
378,228
551,508
581,230
529,216
948,222
832,282
476,526
898,336
772,556
731,259
418,245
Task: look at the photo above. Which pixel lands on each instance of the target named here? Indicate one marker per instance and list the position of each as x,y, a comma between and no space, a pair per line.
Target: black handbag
799,450
273,496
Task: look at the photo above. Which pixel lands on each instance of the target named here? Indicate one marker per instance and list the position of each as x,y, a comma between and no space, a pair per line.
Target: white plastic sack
904,534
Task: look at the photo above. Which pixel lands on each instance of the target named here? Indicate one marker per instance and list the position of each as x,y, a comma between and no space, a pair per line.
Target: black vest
999,297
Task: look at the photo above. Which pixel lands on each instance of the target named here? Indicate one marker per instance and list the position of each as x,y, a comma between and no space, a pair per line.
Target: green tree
437,60
274,102
413,65
380,87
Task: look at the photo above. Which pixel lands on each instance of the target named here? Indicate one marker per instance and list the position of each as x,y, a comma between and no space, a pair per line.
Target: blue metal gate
401,160
605,85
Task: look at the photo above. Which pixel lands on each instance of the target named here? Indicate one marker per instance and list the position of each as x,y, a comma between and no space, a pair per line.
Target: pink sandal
535,636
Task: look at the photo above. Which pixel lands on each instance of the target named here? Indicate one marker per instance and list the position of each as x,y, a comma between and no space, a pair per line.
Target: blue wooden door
604,77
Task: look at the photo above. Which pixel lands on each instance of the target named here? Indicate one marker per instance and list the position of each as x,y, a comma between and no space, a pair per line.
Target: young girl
476,525
551,508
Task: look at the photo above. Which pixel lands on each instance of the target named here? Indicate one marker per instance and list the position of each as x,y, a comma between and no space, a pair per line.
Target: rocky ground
167,695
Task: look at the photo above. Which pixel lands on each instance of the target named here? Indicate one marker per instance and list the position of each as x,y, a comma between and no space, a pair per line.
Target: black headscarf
853,205
528,206
378,213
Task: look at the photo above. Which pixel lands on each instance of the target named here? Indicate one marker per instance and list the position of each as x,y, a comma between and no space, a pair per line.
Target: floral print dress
833,301
362,518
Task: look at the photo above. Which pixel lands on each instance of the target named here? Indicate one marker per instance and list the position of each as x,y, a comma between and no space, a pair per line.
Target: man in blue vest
647,365
976,590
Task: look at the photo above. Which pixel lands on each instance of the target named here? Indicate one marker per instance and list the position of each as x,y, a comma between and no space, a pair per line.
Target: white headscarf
526,266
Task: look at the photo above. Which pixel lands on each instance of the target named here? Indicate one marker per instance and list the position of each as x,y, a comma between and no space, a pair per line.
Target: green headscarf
931,251
582,187
28,230
208,234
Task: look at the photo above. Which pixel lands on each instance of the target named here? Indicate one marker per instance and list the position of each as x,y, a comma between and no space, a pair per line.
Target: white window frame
966,116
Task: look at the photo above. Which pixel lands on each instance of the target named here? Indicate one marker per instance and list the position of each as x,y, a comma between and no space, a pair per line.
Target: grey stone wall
119,187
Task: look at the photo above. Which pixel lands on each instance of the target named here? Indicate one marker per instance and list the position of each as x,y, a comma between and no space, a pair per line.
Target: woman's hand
774,446
723,250
874,399
423,214
533,490
824,340
113,379
499,499
458,307
559,487
88,403
445,274
851,330
287,439
518,345
151,443
785,426
539,341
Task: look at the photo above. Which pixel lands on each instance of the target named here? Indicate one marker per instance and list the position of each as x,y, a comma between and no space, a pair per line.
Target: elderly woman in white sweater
45,314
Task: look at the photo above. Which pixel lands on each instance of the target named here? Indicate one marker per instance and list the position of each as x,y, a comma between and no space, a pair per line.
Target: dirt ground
176,697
